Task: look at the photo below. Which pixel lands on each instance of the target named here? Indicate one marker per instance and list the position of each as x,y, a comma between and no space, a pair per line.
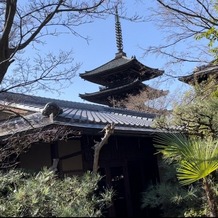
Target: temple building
120,77
202,73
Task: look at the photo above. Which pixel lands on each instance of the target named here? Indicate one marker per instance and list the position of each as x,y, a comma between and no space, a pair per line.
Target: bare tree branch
12,146
26,23
108,131
180,22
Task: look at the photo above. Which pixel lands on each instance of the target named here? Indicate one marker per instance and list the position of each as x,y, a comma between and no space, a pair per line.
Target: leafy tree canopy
44,195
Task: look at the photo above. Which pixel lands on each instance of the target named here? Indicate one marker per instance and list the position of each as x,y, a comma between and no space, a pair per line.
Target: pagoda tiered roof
121,92
120,68
120,76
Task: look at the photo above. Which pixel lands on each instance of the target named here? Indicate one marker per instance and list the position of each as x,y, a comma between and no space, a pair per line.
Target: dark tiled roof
119,64
102,95
200,74
111,65
79,115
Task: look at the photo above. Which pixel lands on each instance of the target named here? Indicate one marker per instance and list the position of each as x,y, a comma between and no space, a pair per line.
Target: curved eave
150,73
112,91
101,97
116,63
199,76
186,79
120,65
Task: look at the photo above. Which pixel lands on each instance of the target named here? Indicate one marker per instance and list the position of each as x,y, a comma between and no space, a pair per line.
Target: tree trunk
108,129
5,51
4,58
210,198
3,69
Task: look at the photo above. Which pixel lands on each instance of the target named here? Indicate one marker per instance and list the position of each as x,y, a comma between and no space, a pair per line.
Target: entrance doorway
129,180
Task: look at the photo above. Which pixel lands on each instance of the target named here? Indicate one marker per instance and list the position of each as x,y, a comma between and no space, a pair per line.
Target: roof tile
81,114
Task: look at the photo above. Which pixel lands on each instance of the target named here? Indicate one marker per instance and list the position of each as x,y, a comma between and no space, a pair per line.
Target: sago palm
196,160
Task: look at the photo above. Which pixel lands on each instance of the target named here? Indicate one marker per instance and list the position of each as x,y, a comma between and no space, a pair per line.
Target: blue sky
102,48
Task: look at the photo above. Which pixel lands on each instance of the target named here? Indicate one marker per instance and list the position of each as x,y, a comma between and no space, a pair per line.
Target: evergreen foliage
195,157
45,195
172,199
197,114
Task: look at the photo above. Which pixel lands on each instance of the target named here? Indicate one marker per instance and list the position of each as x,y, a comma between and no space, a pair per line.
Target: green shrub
45,195
174,200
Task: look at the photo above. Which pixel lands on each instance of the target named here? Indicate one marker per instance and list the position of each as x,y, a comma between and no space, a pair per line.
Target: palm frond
196,158
171,145
202,162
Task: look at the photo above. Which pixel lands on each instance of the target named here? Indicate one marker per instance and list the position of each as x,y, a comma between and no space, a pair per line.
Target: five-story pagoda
120,77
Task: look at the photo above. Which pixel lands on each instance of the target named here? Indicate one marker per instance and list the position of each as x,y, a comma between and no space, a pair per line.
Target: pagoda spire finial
119,39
